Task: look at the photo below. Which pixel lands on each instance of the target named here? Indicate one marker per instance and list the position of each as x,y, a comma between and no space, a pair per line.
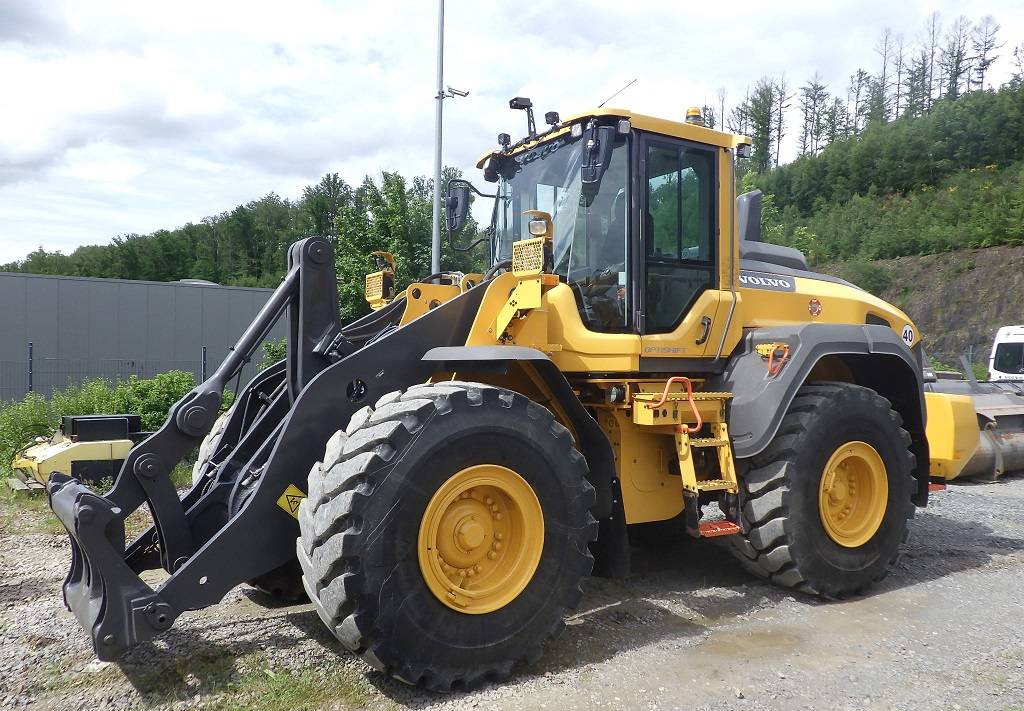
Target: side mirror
598,142
456,205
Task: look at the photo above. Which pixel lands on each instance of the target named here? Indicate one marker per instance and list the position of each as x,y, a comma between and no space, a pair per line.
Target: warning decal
290,500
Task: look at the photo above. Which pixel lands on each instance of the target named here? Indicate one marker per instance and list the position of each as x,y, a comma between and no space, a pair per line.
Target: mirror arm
466,249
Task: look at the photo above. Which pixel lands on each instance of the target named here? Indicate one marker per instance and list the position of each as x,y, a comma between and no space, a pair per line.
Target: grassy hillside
975,207
947,179
958,299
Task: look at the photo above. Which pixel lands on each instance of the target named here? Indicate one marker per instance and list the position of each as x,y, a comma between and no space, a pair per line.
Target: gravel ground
688,630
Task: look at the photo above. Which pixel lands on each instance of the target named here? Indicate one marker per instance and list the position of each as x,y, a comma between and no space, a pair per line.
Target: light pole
442,94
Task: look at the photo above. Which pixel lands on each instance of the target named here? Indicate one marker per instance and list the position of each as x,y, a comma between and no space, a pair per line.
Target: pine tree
930,42
881,86
953,59
782,99
899,58
860,82
983,42
813,102
760,115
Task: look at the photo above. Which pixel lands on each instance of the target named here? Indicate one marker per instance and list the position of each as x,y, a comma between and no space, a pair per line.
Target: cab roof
653,124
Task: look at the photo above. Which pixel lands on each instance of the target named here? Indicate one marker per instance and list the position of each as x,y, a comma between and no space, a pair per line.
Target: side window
679,231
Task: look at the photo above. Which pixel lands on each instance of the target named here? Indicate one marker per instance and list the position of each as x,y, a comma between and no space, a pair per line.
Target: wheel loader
438,476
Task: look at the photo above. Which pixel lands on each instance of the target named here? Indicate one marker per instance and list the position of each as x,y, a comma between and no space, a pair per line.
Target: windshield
1009,358
589,240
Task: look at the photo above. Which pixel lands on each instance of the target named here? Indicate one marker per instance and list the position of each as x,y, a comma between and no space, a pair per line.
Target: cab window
679,230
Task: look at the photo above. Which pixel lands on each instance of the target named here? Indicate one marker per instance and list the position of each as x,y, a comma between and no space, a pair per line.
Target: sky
128,117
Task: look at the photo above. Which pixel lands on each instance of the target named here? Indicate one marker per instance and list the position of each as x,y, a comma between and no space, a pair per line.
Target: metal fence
57,331
976,355
44,375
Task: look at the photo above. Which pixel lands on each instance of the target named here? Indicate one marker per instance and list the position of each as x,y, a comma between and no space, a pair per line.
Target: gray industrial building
57,330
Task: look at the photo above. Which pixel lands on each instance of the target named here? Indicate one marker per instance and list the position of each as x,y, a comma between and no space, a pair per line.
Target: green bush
870,277
150,398
22,421
273,351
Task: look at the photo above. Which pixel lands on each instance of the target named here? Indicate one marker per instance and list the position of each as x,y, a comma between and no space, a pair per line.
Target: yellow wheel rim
853,494
481,539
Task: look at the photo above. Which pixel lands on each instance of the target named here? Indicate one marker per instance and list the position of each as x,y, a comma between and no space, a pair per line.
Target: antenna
616,93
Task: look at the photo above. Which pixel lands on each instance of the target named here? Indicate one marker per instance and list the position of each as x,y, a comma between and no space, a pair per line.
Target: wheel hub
480,539
853,494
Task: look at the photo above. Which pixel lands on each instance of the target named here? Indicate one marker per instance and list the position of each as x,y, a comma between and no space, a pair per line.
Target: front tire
439,465
825,507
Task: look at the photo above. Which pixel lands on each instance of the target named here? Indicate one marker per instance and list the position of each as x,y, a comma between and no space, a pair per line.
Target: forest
921,154
924,154
248,246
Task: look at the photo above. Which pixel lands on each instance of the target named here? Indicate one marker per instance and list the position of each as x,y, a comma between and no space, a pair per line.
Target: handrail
689,396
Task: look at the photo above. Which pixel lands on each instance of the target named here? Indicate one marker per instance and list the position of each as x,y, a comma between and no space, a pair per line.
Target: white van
1007,359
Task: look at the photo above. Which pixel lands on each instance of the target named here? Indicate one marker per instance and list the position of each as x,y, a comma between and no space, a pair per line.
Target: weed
281,689
23,515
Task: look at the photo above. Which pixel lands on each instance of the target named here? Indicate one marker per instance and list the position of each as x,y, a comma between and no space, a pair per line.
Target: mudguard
612,548
875,355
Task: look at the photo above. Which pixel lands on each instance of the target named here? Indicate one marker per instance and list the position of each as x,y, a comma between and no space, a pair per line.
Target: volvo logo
771,282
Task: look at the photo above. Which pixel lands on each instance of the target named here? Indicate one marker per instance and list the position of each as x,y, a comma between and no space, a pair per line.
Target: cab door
678,250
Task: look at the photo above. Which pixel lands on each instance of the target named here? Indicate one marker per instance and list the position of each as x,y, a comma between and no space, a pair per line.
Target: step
715,485
707,442
711,529
934,486
697,396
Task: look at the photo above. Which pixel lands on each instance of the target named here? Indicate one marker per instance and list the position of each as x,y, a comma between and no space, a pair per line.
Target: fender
875,356
612,550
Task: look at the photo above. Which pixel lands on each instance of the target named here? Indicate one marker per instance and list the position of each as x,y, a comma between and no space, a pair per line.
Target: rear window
1009,358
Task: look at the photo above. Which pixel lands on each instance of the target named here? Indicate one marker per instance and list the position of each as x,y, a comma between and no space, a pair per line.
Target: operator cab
634,211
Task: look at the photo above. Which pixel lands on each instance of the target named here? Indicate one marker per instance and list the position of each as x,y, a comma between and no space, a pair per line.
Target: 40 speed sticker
908,335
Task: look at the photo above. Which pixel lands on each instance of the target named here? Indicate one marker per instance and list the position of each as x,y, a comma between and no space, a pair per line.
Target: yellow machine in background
975,429
88,447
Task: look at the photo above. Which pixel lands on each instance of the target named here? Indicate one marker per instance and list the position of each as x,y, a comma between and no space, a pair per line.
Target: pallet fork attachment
230,528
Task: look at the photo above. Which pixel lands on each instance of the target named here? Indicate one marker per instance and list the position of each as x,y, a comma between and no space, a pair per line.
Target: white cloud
128,117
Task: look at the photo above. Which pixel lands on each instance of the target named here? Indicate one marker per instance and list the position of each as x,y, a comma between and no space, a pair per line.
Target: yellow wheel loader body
634,353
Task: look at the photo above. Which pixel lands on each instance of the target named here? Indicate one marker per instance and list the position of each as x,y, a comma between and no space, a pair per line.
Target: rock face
957,299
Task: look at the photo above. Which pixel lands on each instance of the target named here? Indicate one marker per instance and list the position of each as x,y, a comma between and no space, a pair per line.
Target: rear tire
784,494
361,539
282,584
208,446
